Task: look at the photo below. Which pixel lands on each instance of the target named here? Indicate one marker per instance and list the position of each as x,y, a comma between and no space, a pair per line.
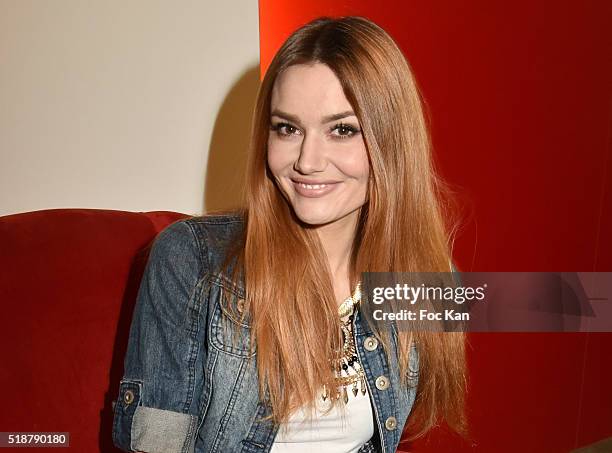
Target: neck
337,240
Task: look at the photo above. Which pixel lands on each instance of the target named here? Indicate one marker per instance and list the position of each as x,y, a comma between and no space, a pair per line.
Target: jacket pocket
230,331
413,367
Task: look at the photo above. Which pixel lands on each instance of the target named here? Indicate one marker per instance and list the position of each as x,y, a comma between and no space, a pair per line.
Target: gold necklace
349,358
349,303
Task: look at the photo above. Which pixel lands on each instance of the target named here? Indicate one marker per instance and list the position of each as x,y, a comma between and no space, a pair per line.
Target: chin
314,219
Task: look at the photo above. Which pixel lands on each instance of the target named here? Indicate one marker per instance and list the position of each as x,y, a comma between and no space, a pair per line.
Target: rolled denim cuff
159,430
148,429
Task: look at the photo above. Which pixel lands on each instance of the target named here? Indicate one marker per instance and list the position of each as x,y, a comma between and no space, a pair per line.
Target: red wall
520,96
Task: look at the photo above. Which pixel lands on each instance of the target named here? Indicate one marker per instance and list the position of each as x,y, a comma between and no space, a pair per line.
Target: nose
312,157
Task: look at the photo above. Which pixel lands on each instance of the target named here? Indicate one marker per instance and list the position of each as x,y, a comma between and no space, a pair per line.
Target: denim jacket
186,387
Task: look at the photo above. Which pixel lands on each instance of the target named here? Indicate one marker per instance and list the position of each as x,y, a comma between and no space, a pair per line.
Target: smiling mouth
312,186
314,190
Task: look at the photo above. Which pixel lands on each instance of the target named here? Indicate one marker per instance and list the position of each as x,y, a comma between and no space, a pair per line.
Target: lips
312,189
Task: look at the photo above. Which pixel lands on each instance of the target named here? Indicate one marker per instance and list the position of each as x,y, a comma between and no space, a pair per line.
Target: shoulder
207,239
219,231
207,231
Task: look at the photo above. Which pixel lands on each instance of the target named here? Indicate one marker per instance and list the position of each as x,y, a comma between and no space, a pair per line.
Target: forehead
309,90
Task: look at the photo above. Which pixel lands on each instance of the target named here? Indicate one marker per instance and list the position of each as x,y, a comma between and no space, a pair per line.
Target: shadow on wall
225,170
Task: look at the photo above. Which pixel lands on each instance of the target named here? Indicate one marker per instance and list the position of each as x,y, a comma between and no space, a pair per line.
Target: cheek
280,155
363,164
356,165
365,169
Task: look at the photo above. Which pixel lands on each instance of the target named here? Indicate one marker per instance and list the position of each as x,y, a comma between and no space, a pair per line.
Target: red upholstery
68,283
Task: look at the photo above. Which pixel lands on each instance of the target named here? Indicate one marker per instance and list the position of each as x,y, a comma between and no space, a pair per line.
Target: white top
336,431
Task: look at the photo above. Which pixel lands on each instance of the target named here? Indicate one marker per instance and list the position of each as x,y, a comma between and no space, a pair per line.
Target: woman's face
316,151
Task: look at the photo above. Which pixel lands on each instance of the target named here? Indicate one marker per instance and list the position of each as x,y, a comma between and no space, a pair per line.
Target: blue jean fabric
186,387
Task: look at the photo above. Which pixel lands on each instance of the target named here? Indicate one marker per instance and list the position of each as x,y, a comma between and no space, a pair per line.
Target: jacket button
128,397
370,343
391,423
382,383
240,305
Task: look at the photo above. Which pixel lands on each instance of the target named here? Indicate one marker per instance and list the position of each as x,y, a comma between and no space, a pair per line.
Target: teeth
313,186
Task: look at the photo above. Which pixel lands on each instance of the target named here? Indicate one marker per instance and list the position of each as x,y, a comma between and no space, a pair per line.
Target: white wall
114,104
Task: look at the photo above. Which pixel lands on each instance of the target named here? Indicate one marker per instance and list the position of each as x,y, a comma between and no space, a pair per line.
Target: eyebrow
326,119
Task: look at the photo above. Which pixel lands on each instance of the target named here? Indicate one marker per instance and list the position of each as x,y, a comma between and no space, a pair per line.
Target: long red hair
404,226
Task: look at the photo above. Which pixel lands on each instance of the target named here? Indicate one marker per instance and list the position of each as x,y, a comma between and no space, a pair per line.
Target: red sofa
68,282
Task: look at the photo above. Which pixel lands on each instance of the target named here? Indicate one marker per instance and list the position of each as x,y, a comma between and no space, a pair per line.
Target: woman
247,334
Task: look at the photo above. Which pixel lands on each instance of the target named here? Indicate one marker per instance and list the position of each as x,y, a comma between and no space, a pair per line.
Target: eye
344,130
284,129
